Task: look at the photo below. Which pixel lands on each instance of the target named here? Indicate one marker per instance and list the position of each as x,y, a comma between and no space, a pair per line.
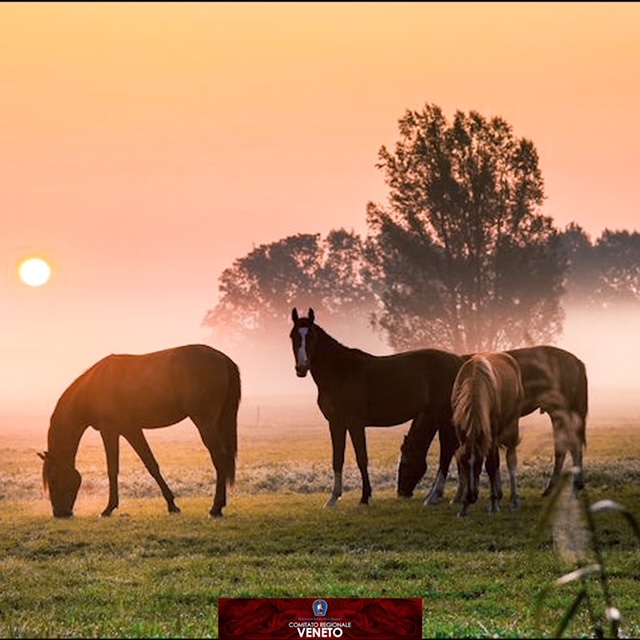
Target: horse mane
473,397
335,350
70,390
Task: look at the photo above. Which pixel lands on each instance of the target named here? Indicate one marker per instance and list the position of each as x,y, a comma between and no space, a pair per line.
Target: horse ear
42,455
312,315
294,314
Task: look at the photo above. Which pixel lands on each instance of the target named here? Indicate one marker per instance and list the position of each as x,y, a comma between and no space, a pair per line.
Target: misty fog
605,340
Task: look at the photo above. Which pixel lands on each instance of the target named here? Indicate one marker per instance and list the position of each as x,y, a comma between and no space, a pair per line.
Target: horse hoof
174,509
332,501
430,501
215,516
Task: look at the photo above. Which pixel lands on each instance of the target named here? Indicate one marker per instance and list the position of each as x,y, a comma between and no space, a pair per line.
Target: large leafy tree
619,261
259,290
604,273
466,259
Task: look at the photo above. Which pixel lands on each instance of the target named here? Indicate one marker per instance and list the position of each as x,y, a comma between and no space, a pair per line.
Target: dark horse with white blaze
123,394
486,399
357,389
555,382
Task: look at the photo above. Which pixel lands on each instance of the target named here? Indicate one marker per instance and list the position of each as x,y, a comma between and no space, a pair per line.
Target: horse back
509,383
154,389
487,397
389,390
548,371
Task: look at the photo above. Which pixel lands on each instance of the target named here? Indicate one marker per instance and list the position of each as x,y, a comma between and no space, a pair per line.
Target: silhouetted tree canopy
258,292
460,258
604,273
466,260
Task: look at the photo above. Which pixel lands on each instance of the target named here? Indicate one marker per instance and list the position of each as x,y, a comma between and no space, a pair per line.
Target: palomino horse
555,382
357,389
486,399
121,395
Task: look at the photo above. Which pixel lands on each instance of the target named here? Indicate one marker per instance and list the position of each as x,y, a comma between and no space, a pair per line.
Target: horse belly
392,409
392,398
136,397
148,411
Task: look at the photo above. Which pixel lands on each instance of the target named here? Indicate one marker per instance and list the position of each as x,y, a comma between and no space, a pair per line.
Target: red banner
344,618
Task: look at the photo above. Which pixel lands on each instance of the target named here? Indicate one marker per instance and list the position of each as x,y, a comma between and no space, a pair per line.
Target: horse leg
512,463
462,486
338,444
359,442
558,457
219,464
560,446
578,422
492,465
436,492
111,441
136,439
568,434
448,446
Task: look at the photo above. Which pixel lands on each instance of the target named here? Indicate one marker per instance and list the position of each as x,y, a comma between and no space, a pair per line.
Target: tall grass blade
611,505
570,613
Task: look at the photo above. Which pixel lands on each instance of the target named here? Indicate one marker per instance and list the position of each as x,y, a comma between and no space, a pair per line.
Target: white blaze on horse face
302,358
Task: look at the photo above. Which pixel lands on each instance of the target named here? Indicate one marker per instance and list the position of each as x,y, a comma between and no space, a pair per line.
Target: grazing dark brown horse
357,389
121,395
486,399
555,382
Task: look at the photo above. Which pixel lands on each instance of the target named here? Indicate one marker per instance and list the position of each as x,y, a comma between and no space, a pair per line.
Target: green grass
145,573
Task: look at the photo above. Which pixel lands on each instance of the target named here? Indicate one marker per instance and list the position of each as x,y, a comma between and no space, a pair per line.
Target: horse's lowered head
62,482
412,467
470,458
302,341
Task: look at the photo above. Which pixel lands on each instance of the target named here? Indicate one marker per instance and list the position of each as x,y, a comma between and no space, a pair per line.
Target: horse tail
45,473
228,422
474,395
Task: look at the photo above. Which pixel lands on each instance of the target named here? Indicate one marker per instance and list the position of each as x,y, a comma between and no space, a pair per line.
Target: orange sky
145,146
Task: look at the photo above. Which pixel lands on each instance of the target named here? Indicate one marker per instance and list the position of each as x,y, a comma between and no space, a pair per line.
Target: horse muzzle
301,370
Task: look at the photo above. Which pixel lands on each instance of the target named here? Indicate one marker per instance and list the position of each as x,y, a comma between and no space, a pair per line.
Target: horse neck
328,354
65,431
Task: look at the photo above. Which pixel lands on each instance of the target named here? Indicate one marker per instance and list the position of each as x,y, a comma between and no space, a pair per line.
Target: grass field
144,573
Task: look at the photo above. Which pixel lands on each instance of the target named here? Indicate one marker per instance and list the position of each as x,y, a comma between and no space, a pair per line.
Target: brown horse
555,382
121,395
486,399
357,389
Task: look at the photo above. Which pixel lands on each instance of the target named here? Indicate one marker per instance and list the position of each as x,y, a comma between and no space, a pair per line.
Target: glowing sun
34,271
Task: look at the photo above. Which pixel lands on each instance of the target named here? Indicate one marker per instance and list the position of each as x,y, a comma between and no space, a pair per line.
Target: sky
146,146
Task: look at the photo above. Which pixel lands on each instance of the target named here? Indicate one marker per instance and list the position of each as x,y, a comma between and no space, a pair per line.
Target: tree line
460,257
